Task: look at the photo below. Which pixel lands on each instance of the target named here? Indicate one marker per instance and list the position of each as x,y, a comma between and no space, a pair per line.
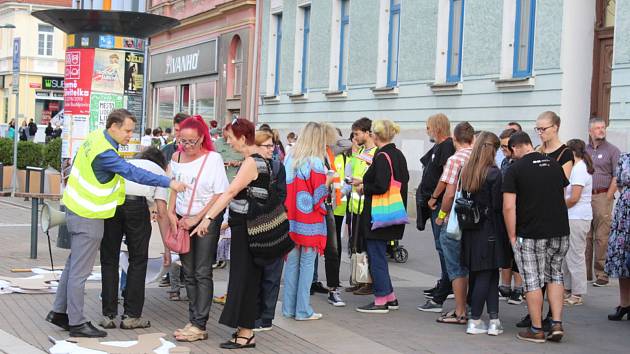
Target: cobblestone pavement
342,330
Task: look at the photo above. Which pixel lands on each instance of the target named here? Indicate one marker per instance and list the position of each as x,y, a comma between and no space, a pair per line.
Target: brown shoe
600,283
529,336
556,333
366,289
353,288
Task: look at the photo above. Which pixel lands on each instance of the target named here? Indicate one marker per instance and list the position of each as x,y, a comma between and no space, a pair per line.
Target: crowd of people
510,221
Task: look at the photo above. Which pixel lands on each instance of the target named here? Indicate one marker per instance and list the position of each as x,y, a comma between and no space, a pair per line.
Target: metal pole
16,138
34,219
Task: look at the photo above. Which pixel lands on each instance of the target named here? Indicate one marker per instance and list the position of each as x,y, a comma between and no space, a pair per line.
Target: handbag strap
192,196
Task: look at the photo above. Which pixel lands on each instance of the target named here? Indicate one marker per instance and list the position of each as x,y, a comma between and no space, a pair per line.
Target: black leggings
484,290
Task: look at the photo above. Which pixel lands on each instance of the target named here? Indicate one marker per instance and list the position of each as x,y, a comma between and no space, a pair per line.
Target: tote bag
388,208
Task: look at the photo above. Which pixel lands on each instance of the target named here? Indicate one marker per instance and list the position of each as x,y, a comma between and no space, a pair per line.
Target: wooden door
602,69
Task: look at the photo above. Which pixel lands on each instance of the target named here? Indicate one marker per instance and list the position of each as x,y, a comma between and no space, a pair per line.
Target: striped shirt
454,164
605,157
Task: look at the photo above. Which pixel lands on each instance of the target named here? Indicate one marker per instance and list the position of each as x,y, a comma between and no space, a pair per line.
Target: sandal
574,300
186,327
174,297
233,344
192,334
452,318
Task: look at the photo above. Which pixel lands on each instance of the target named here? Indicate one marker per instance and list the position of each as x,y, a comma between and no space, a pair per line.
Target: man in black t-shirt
537,223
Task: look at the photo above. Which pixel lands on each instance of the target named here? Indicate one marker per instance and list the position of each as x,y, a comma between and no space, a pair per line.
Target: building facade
204,65
41,65
483,61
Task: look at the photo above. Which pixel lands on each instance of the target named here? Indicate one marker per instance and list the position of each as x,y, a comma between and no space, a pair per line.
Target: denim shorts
452,250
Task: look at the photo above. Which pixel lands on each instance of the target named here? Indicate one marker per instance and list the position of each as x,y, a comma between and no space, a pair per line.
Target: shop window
184,99
204,100
45,40
235,68
165,106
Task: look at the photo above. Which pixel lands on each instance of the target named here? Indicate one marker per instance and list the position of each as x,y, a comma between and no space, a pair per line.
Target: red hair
197,123
242,127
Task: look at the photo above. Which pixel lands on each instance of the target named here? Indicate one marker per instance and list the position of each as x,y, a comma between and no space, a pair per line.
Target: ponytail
578,147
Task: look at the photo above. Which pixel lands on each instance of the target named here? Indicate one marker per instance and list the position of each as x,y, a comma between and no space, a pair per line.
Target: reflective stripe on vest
84,195
360,163
341,206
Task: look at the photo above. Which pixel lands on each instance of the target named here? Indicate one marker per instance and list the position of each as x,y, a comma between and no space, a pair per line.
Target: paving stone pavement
342,330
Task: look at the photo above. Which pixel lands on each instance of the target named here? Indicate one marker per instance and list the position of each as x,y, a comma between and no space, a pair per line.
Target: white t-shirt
582,210
146,140
151,193
212,180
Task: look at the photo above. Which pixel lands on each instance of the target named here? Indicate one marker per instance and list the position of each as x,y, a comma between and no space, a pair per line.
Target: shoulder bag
180,241
388,208
452,227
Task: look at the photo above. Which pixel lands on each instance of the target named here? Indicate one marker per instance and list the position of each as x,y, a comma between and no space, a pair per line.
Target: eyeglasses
542,130
189,142
267,146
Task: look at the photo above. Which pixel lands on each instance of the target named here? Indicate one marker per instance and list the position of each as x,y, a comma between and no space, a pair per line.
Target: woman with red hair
198,165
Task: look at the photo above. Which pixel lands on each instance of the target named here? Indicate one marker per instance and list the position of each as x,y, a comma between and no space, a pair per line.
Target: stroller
397,252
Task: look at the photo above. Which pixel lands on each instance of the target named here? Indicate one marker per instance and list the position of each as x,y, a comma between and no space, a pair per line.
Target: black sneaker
263,325
516,297
433,289
319,288
373,308
430,306
504,292
546,324
525,322
393,305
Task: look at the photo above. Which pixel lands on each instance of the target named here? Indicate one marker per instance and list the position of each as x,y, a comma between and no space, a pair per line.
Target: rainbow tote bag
388,209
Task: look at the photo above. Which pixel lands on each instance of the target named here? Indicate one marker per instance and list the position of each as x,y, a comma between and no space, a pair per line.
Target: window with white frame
392,43
45,39
237,63
344,44
306,29
524,26
455,36
277,51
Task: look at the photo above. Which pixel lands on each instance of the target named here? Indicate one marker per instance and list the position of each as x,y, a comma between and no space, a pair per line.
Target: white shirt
212,180
146,140
582,210
149,192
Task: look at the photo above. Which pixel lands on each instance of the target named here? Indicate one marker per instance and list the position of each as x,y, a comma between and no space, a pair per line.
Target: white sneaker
495,327
335,299
476,327
314,316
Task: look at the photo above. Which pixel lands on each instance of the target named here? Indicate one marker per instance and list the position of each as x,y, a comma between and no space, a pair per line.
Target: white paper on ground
64,347
155,269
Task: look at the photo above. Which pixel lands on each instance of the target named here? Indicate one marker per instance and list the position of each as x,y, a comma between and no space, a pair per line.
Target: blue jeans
452,250
438,246
382,283
298,275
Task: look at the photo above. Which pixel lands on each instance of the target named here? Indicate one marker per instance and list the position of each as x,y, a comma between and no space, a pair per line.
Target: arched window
235,67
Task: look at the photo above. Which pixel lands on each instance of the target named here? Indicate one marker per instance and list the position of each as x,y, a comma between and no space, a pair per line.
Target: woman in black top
484,250
547,127
241,308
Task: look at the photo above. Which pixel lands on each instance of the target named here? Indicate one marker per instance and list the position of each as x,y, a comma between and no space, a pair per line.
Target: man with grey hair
605,156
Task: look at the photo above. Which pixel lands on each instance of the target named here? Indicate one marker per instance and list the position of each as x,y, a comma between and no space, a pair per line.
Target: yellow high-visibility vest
360,161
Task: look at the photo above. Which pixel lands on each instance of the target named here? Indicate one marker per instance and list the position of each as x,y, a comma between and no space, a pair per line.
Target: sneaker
335,299
108,322
430,306
516,297
431,290
393,305
319,288
525,322
476,327
495,327
546,324
366,289
165,282
529,336
263,325
219,265
134,322
504,292
373,308
220,299
450,295
314,316
556,332
353,288
599,283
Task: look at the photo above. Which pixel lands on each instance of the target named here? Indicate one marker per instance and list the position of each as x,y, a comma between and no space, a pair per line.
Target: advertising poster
80,127
102,104
65,137
133,103
109,70
78,80
134,73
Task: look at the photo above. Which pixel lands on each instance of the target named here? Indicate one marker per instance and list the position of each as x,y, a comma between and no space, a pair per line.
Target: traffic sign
16,65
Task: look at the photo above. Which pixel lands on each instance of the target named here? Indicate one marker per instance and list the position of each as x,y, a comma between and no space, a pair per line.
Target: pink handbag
180,241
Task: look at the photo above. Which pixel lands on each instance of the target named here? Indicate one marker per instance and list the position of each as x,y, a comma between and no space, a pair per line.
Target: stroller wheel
401,255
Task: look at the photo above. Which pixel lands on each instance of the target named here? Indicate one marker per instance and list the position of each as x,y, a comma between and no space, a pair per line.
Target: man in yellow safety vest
95,188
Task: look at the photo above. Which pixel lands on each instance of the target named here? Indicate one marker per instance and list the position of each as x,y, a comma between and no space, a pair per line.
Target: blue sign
106,41
16,64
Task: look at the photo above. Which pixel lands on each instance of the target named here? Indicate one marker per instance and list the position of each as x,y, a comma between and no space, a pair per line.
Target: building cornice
216,12
201,35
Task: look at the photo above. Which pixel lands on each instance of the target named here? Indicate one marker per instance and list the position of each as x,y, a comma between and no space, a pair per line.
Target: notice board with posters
103,73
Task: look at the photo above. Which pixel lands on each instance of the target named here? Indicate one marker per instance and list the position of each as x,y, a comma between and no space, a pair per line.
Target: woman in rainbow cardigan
307,190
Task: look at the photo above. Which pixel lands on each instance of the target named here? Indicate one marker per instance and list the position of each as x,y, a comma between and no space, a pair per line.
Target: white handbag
452,227
360,268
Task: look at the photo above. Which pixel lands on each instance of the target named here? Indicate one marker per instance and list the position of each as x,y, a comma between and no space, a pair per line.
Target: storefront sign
134,73
78,80
35,85
52,83
196,60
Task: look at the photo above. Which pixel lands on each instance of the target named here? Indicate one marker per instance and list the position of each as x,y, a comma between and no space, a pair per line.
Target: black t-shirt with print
538,183
433,164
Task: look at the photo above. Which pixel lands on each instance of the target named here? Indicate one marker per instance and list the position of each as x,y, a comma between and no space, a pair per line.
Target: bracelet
432,197
441,214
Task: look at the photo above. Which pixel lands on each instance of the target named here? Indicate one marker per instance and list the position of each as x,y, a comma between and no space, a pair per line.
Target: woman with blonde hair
548,127
485,248
388,163
307,190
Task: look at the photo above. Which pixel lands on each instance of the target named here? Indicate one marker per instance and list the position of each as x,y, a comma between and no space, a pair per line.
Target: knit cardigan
306,194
